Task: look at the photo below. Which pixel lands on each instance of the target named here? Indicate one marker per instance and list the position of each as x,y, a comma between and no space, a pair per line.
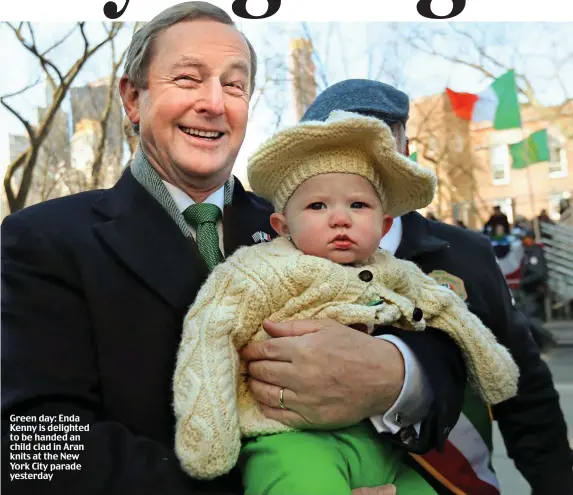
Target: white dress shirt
415,397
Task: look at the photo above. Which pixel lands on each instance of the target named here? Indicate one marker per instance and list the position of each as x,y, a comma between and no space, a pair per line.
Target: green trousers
326,463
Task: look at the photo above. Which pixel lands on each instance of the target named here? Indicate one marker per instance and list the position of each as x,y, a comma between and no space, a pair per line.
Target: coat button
365,275
418,314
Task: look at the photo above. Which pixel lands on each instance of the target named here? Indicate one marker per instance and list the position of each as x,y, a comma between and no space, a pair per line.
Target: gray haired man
95,287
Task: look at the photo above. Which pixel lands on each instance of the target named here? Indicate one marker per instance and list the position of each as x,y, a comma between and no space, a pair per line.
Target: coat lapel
246,215
417,239
150,244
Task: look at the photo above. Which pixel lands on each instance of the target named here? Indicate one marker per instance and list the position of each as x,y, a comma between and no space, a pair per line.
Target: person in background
544,217
533,277
498,223
566,213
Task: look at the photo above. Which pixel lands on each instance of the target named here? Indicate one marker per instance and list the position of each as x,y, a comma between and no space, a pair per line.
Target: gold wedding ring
281,396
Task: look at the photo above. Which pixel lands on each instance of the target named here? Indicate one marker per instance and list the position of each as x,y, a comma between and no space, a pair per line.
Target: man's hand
379,490
332,375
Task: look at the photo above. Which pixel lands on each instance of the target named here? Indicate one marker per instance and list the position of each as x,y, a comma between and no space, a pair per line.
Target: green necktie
203,218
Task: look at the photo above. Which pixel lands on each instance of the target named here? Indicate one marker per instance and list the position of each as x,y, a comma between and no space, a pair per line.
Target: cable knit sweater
213,406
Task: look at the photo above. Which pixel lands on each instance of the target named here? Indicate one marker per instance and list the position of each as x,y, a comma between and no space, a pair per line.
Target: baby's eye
317,206
358,204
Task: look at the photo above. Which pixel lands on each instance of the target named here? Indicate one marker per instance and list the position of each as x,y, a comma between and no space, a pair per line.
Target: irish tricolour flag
497,103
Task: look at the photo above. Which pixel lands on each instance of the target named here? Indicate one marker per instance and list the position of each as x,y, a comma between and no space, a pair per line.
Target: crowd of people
314,336
520,253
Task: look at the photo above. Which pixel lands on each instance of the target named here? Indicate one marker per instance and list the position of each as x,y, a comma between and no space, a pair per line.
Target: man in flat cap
95,287
532,423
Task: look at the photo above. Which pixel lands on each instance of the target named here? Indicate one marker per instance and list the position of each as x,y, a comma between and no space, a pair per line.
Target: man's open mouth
198,133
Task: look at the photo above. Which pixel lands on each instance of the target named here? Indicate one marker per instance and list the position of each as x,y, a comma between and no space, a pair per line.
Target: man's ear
130,97
387,224
278,223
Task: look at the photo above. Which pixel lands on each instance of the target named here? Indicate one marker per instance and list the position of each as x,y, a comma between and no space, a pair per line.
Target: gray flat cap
372,98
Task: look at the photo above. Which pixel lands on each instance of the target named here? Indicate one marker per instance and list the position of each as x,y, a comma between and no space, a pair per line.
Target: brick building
473,163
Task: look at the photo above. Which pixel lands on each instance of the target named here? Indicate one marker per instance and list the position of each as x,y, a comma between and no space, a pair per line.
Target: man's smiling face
193,113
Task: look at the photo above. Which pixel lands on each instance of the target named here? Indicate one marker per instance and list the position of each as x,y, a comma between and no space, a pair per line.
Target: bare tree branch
321,68
38,134
104,119
25,123
59,42
34,50
23,90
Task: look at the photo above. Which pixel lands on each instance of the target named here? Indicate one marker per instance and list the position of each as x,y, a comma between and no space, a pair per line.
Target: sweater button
365,275
417,314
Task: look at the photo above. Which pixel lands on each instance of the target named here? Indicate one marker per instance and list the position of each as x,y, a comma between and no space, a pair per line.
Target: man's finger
292,328
272,350
270,395
279,373
284,416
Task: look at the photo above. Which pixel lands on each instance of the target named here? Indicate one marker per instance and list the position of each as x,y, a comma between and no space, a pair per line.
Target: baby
335,186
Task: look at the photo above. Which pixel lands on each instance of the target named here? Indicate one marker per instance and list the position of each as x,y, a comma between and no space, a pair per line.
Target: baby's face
336,216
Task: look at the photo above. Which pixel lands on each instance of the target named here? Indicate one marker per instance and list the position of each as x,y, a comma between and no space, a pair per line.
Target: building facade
473,163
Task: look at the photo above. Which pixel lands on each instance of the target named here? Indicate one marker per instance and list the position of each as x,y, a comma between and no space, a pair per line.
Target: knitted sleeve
228,310
491,368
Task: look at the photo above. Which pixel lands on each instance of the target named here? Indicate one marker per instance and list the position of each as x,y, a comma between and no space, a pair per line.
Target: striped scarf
465,466
148,177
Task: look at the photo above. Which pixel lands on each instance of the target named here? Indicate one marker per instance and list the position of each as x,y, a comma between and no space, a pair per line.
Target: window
499,159
555,199
557,158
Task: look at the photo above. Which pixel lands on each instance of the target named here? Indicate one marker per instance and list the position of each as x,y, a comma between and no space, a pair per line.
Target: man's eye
358,204
317,206
186,79
236,87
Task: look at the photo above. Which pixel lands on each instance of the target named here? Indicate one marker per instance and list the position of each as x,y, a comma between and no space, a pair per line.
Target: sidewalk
562,330
560,361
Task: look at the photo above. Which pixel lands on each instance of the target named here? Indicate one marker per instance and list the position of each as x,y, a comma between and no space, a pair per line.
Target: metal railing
557,243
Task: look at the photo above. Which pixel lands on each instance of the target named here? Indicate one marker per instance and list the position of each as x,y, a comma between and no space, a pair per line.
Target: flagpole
531,196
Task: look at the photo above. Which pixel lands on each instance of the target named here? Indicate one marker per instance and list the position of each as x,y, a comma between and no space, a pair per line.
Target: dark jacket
532,423
496,220
94,290
534,270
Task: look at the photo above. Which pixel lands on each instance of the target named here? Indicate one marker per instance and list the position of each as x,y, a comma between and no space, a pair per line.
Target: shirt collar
392,239
184,201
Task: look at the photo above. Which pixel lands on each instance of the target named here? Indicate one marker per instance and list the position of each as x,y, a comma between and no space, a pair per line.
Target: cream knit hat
345,143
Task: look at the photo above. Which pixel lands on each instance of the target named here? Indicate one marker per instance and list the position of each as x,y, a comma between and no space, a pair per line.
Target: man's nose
211,98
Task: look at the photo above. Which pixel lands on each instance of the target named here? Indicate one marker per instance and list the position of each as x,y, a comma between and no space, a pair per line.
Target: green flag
507,115
414,156
534,149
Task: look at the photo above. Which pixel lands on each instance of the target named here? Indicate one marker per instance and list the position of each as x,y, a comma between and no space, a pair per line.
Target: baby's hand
378,490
